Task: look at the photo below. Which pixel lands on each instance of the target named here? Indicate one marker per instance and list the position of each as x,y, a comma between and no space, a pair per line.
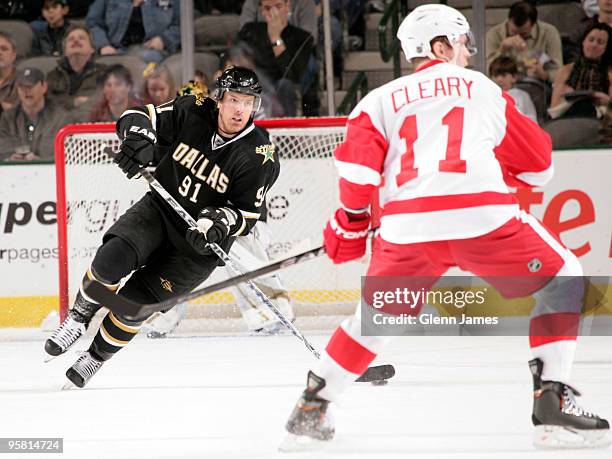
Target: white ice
229,397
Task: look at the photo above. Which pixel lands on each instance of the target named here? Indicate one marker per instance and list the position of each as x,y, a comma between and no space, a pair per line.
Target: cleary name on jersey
200,168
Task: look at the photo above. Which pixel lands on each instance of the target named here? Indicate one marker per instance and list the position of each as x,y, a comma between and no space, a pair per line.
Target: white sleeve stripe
246,214
537,178
241,229
164,109
134,112
153,115
356,173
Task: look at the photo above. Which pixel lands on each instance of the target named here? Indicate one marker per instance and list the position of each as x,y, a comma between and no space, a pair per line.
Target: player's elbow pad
135,121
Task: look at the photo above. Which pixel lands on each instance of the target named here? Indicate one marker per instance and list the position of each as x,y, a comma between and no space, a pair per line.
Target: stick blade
377,373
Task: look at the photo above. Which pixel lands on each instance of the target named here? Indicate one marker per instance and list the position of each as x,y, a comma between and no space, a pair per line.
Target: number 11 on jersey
452,162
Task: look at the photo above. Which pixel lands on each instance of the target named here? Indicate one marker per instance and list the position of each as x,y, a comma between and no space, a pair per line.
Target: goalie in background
258,318
217,165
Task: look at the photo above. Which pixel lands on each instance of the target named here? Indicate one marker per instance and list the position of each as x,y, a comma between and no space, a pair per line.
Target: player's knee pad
114,260
564,293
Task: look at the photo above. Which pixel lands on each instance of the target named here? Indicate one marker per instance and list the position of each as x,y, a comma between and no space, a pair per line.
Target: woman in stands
590,72
158,86
116,86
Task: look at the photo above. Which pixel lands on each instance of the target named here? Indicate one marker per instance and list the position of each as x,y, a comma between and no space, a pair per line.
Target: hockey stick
375,373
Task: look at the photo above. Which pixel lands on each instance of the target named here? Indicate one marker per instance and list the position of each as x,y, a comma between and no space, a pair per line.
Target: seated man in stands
73,82
535,45
135,27
49,35
504,71
591,72
281,52
27,131
8,55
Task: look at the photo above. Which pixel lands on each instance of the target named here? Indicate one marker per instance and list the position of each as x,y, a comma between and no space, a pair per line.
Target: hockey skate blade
558,437
299,443
69,385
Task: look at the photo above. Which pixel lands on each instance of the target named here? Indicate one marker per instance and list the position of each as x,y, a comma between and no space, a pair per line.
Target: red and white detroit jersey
448,143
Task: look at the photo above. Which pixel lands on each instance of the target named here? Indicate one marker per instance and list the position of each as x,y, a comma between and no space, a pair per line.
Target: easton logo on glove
143,131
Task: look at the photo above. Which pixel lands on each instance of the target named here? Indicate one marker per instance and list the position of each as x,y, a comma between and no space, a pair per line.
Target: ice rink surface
229,397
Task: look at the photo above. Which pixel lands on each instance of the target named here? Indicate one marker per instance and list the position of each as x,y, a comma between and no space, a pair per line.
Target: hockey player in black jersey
218,165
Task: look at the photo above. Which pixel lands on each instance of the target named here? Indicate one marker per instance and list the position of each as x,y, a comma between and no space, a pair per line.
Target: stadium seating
206,62
573,132
21,33
44,63
216,32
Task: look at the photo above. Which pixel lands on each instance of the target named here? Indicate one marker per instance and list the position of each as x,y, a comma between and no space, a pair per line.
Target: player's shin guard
114,334
76,322
560,422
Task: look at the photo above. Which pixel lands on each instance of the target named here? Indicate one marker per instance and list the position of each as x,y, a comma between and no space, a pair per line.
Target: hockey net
92,193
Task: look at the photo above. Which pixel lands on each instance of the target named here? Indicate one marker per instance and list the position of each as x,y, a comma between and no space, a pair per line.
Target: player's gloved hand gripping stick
104,296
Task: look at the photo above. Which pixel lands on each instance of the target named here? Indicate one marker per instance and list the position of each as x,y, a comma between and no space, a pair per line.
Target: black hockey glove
136,150
213,225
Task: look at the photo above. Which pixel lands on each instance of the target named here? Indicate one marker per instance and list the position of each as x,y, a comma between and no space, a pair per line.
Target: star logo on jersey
267,151
166,284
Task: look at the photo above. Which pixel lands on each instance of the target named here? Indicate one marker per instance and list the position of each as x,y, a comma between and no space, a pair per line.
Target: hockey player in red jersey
449,142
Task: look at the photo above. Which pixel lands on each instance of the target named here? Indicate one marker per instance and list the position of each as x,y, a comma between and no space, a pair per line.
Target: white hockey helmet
427,22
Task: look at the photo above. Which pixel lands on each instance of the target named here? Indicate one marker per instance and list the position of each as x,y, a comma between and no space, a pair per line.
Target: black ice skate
83,370
72,328
310,422
559,421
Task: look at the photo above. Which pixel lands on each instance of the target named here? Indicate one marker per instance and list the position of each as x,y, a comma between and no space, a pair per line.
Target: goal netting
93,193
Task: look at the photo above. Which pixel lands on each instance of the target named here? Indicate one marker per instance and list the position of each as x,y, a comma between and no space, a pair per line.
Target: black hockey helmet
242,80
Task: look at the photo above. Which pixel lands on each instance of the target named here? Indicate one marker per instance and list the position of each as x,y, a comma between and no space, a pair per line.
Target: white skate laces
570,406
67,333
86,366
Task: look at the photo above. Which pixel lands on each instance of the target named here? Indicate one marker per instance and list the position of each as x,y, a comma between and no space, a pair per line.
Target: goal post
92,193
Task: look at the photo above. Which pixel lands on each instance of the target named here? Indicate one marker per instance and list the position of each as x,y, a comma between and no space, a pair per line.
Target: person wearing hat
27,131
49,35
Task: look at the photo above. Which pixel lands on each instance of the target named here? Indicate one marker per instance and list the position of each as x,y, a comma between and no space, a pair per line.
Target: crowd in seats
99,56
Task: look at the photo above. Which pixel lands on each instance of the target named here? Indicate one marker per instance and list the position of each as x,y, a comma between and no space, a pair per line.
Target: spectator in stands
201,80
48,38
504,72
591,72
590,7
602,15
147,29
27,131
535,45
74,81
8,55
158,85
116,86
301,14
281,52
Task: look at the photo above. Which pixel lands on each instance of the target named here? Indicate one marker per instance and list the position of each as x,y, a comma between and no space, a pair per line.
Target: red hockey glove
345,238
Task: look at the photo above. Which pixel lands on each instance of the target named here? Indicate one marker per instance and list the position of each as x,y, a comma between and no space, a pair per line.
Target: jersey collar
217,141
428,64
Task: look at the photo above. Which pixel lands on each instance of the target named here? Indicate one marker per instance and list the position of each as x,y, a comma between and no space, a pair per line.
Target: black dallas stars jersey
198,167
